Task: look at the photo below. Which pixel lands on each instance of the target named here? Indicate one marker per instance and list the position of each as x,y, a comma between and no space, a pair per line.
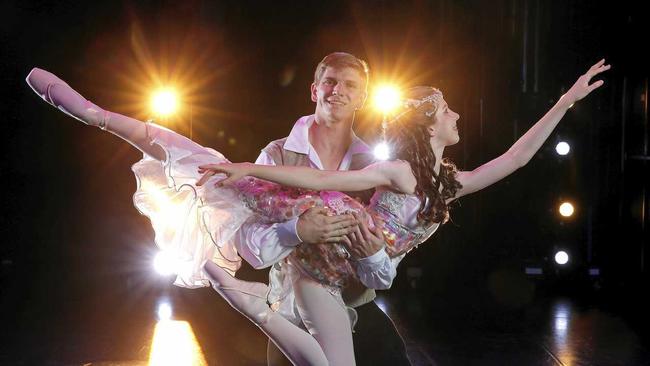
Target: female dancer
212,215
414,189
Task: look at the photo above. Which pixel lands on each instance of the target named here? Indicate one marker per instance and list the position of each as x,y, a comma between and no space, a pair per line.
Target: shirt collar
298,139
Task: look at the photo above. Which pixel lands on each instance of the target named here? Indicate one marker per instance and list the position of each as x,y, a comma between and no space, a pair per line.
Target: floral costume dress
193,224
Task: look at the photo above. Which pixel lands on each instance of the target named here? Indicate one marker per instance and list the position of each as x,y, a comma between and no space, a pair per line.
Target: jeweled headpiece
410,105
435,99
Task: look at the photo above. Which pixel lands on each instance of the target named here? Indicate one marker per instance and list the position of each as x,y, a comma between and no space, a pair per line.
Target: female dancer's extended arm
525,148
387,173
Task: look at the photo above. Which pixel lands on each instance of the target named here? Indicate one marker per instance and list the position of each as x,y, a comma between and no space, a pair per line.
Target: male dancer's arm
262,245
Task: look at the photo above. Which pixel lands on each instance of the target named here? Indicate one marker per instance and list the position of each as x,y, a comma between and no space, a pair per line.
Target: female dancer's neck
437,152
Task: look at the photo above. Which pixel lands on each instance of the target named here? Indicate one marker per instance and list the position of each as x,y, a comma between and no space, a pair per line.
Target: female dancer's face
338,94
444,128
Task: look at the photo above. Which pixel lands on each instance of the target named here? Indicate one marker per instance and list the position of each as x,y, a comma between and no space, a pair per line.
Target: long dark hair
409,139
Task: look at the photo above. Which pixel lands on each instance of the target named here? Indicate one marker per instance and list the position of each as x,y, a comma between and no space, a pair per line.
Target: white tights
329,341
327,321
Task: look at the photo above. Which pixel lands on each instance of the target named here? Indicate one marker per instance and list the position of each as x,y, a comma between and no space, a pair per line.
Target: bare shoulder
392,165
389,168
400,175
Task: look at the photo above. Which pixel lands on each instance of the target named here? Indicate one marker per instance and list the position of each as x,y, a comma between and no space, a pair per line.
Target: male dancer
325,140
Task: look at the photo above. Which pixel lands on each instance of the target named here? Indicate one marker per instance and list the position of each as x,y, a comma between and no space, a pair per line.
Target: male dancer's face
338,94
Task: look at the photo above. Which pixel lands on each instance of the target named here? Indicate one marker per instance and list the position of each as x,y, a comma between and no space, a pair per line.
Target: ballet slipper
249,298
59,94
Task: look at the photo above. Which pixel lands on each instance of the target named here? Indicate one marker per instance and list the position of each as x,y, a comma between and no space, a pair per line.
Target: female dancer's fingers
593,72
205,177
597,65
597,69
595,85
225,181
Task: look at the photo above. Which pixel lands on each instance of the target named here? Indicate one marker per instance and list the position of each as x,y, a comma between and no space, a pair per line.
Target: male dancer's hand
363,242
315,226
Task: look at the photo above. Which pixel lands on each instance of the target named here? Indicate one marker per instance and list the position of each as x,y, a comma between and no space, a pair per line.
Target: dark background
75,272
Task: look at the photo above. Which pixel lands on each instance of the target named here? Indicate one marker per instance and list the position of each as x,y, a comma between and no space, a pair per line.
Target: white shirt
263,245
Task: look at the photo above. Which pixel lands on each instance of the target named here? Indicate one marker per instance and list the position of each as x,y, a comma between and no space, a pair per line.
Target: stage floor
89,326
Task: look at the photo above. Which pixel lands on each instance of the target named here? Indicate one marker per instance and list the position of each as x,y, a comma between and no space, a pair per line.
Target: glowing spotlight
164,311
382,151
164,102
387,98
561,257
562,148
165,263
566,209
174,343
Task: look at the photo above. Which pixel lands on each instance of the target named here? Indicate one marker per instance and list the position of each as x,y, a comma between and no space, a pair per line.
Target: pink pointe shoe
59,94
249,298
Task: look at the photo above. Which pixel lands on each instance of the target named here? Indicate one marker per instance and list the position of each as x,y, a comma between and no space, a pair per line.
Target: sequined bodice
397,213
329,263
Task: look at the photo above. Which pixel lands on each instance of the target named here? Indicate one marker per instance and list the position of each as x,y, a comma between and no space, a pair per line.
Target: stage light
387,98
382,151
561,257
165,263
164,311
164,102
562,148
174,343
566,209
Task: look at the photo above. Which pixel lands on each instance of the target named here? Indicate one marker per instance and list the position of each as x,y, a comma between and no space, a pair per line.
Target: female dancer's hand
582,88
234,171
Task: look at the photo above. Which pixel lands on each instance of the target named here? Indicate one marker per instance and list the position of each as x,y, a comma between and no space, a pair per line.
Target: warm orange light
174,344
164,102
387,98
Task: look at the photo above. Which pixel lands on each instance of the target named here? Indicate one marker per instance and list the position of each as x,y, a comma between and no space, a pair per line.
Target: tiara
435,99
413,104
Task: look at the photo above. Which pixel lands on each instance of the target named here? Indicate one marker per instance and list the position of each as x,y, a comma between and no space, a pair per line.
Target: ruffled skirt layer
191,224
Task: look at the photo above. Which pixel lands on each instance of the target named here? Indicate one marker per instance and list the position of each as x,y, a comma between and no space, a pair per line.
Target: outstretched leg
58,93
249,298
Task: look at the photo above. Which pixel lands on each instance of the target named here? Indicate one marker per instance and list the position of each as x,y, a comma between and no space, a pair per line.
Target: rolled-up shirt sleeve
262,244
377,271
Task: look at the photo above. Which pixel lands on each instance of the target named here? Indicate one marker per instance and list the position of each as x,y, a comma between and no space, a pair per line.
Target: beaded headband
435,99
413,104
